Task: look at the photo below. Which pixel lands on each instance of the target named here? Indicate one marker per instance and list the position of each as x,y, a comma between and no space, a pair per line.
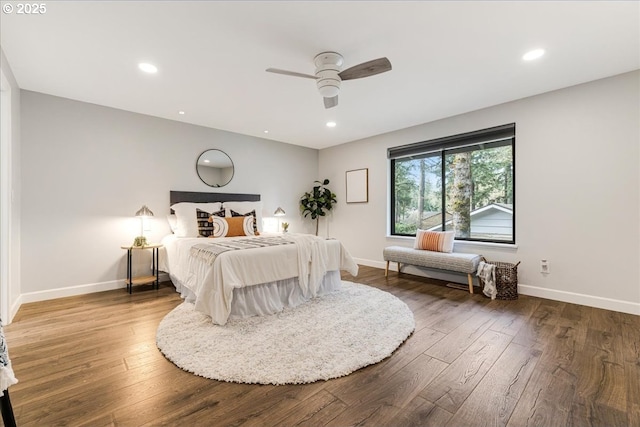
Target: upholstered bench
448,261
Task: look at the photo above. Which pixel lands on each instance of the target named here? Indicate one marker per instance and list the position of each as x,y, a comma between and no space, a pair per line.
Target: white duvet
211,286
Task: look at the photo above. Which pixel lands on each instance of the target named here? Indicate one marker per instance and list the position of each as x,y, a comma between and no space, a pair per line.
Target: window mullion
443,189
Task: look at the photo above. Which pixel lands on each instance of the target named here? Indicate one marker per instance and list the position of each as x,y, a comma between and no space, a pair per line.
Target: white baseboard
534,291
13,310
376,264
581,299
77,290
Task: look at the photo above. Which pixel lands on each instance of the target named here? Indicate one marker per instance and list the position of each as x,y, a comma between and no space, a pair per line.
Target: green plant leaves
318,202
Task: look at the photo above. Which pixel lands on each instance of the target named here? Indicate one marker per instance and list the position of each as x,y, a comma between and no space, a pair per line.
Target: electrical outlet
544,266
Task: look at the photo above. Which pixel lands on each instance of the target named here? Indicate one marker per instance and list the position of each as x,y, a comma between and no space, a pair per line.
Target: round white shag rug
325,338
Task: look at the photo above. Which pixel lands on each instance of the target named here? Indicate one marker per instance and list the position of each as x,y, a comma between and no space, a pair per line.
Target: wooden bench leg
470,278
386,270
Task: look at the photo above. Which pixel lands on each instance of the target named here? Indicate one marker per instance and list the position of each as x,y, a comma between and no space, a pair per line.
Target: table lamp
280,212
143,212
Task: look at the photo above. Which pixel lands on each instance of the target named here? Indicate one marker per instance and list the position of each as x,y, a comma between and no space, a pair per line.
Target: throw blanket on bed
312,262
210,251
7,378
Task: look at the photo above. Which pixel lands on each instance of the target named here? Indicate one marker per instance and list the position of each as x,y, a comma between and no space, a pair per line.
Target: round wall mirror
215,168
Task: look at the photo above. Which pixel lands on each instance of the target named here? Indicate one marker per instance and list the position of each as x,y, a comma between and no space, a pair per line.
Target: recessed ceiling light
206,160
331,124
181,113
265,131
148,68
533,54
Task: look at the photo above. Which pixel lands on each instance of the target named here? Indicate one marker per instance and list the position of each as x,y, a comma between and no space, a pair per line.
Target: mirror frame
214,184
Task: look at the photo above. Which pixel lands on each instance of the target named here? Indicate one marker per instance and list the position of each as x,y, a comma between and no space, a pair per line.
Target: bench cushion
454,261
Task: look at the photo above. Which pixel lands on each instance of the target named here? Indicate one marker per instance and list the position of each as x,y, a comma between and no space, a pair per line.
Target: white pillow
245,207
187,224
173,222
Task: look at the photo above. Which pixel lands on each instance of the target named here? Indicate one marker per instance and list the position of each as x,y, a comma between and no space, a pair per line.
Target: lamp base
140,241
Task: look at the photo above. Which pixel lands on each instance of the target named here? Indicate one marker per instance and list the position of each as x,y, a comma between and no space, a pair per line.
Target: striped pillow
205,226
436,241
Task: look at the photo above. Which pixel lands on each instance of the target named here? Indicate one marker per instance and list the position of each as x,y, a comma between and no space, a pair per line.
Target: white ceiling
448,58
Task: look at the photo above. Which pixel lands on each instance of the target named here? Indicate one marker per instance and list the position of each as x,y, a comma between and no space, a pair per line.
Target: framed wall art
357,186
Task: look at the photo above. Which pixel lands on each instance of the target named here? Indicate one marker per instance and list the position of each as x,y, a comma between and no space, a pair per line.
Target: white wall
577,191
87,169
11,193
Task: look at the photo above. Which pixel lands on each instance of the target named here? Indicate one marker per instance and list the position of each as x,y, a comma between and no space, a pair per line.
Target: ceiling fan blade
290,73
366,69
331,102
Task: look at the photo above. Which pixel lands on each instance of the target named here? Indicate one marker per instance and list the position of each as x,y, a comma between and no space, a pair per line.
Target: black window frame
495,136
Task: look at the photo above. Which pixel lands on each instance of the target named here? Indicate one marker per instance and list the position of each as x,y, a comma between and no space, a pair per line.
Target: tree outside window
478,197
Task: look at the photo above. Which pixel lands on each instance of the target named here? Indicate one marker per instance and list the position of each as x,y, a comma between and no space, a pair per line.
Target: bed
255,274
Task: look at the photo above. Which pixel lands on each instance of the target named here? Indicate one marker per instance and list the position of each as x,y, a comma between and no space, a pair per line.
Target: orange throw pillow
436,241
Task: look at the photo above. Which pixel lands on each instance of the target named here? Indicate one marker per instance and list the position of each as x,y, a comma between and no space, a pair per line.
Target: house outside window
464,183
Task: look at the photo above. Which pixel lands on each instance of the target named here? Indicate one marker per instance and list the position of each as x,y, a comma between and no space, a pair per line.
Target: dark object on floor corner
7,411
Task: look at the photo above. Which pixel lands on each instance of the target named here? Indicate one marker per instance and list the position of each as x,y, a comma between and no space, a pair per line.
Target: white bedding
259,281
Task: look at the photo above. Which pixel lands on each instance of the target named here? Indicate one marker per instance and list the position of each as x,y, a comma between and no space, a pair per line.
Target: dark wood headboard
198,197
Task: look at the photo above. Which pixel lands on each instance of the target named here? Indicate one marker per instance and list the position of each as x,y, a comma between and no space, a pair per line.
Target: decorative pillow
232,227
173,222
187,219
436,241
246,207
241,226
205,224
220,227
248,214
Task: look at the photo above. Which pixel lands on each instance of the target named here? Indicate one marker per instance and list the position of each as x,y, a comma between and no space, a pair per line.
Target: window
463,183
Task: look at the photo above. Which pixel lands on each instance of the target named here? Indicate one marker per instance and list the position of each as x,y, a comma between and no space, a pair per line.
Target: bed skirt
268,298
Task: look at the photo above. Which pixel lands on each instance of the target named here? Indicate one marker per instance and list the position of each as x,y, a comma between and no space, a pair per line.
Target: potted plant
317,202
285,227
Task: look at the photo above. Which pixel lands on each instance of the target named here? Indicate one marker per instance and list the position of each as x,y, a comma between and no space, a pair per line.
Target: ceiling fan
328,75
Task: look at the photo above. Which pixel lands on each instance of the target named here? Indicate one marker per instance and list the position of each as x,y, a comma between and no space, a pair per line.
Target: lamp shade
279,212
144,211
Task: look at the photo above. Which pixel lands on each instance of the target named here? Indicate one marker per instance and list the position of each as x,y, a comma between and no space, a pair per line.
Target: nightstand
142,280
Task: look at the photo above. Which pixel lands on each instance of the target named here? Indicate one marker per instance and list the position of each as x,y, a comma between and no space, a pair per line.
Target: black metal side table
154,277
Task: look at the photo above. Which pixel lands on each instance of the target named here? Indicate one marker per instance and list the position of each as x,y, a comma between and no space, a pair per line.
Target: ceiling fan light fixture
329,86
329,91
328,74
328,60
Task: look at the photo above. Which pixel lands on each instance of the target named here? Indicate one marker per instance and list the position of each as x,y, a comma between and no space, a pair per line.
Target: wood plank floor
91,360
